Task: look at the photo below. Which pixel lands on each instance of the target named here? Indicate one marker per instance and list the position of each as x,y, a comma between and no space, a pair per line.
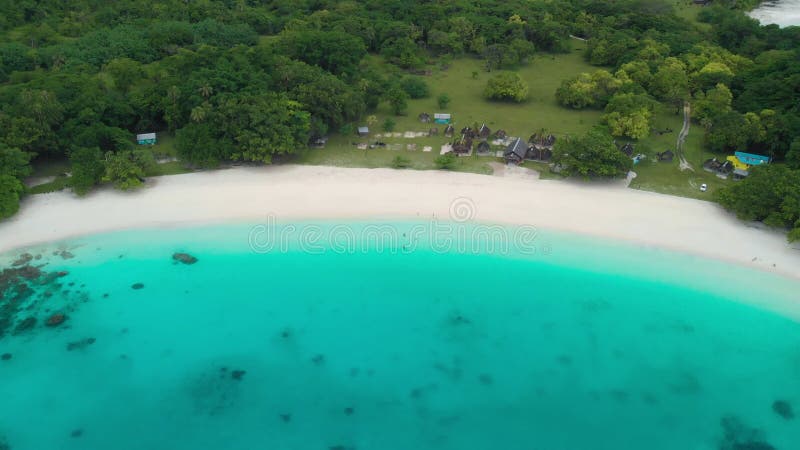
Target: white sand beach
313,192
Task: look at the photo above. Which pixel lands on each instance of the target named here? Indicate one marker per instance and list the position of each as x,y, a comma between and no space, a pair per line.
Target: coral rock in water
56,320
79,345
783,409
25,325
6,356
137,286
184,258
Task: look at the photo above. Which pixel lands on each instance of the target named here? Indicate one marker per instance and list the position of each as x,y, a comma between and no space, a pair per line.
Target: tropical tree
506,86
398,100
629,115
86,165
591,155
443,100
11,188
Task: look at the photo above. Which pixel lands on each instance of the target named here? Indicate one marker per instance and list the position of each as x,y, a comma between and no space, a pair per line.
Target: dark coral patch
56,320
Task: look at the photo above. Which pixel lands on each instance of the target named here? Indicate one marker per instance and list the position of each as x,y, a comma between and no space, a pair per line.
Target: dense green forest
247,80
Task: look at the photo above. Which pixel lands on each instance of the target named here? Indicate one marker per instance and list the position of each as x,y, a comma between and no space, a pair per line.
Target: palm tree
200,113
205,90
173,93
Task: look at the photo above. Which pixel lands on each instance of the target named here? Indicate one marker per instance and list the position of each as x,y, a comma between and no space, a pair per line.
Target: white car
703,187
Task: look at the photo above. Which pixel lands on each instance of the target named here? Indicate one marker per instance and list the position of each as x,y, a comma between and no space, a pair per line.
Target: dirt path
687,114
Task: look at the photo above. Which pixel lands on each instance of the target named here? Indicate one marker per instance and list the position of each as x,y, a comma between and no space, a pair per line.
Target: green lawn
666,177
340,153
467,107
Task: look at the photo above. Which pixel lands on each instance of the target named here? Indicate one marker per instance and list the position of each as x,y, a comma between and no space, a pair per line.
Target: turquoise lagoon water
584,344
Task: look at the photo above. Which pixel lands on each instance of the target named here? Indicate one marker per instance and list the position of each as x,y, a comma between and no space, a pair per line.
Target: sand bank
310,192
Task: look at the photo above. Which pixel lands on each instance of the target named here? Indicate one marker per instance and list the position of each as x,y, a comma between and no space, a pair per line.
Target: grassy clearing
468,107
340,152
666,177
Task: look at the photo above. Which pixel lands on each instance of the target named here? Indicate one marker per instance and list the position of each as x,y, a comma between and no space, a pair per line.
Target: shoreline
292,193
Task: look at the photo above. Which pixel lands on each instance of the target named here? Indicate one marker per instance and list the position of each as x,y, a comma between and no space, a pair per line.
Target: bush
10,190
506,86
446,161
87,169
389,124
415,87
443,100
400,162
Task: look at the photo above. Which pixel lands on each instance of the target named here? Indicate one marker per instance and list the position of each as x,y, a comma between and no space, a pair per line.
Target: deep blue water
584,344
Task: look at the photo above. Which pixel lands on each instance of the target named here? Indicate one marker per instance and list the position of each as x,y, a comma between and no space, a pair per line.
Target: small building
441,118
425,117
449,131
742,162
500,134
720,168
542,140
516,152
751,159
146,139
484,131
363,131
739,174
666,156
319,142
627,149
483,148
462,146
539,154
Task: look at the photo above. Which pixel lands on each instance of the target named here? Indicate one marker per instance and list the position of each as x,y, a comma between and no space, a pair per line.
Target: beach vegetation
126,169
591,155
11,189
446,161
87,167
770,194
401,162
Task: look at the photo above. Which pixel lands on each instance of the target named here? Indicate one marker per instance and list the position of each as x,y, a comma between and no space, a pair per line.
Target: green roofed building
146,139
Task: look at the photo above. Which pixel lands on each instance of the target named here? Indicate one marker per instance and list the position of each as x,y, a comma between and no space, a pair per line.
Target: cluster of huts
470,135
539,147
738,165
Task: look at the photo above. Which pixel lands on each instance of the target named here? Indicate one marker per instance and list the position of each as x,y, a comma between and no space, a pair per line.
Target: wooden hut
484,132
468,132
516,152
540,154
500,134
462,146
424,117
666,156
449,130
627,149
433,132
483,148
542,141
